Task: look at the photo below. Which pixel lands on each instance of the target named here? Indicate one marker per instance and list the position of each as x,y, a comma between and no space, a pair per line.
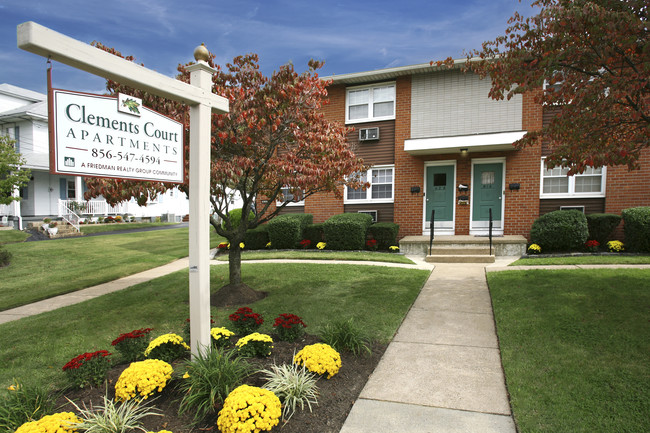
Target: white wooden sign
105,136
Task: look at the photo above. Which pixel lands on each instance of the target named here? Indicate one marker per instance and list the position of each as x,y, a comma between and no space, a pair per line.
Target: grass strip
369,256
35,348
40,270
11,236
585,260
114,227
574,346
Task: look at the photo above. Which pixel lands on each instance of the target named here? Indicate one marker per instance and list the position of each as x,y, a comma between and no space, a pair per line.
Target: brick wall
409,170
627,189
523,167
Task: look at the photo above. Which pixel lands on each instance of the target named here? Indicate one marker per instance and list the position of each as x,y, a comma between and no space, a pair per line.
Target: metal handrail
431,230
490,230
69,215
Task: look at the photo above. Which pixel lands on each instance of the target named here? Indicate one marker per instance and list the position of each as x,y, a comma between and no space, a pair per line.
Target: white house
23,117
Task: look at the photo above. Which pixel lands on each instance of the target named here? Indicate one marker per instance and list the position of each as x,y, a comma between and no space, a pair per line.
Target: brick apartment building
435,141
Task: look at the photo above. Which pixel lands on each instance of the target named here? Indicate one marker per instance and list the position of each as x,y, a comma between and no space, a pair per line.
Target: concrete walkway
442,371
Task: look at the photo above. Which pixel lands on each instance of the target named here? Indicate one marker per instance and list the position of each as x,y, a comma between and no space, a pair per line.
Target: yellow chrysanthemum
63,422
320,359
249,409
142,379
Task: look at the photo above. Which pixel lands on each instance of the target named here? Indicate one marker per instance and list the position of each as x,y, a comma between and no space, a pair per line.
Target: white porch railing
6,210
92,207
69,215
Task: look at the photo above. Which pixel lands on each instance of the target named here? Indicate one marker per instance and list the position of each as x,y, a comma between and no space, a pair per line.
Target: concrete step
467,250
459,258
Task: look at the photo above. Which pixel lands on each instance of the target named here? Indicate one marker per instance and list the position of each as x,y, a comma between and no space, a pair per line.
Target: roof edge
391,73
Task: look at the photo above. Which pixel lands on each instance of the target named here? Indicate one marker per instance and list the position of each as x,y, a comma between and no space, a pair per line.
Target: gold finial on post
201,53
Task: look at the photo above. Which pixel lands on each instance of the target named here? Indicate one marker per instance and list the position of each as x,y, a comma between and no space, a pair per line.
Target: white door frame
439,227
481,228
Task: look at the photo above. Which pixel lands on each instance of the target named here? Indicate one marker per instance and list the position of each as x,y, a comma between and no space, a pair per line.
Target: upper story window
556,183
381,187
368,103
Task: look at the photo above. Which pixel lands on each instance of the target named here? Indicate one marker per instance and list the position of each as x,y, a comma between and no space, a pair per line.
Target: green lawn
94,228
575,347
40,270
322,255
11,236
35,348
585,260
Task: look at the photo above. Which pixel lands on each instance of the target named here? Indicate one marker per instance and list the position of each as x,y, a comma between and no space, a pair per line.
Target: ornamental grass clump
220,336
245,321
22,404
255,345
294,385
142,379
289,327
132,345
167,347
89,368
208,380
113,417
320,359
249,409
346,335
62,422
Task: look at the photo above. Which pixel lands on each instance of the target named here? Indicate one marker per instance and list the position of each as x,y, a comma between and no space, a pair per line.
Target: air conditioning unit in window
367,134
372,213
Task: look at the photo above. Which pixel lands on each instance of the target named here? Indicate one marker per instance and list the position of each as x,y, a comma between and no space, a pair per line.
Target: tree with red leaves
592,60
274,137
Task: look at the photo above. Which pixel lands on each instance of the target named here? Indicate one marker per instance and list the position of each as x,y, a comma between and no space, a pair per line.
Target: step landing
458,245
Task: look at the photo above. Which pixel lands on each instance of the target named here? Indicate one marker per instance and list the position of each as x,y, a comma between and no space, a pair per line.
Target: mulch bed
337,395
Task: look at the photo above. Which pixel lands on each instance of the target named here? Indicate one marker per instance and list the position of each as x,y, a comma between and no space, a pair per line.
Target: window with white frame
368,103
380,190
292,196
556,183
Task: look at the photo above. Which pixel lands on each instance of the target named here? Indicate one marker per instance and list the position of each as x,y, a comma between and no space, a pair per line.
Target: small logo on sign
68,161
129,104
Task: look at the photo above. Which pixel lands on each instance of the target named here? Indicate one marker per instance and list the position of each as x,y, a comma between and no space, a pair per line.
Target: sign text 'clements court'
105,136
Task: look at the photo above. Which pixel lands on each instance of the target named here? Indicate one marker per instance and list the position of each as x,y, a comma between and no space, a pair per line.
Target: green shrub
22,404
257,238
347,231
314,232
5,257
346,335
637,228
384,233
561,230
235,218
601,225
285,231
210,377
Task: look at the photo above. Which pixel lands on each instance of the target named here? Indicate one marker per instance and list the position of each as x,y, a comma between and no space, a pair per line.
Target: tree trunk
234,263
235,293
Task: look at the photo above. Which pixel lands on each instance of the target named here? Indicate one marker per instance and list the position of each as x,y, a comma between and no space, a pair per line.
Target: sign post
200,121
40,40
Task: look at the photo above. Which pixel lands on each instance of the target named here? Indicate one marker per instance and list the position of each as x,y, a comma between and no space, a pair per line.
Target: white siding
451,103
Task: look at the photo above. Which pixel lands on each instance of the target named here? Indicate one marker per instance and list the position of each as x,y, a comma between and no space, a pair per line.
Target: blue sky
350,36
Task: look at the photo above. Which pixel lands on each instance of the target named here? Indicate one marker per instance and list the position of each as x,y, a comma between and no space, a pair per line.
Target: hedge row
564,230
347,231
637,229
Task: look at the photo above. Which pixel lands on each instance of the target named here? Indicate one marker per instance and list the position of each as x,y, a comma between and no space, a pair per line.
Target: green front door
487,191
440,195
